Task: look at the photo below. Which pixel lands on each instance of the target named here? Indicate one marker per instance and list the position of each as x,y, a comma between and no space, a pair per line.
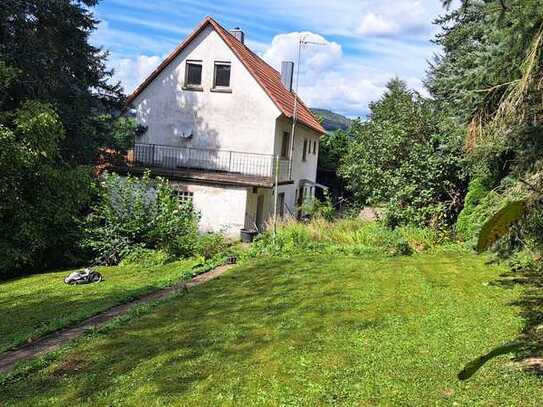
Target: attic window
222,75
193,75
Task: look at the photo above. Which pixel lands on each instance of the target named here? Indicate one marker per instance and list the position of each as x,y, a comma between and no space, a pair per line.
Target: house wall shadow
176,125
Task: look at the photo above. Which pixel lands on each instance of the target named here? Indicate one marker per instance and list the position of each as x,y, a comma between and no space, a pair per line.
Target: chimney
287,71
238,34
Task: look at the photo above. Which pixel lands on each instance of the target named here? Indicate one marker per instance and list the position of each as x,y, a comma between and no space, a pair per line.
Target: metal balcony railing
225,161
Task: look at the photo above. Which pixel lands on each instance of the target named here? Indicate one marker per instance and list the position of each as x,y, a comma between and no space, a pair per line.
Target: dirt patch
70,366
533,365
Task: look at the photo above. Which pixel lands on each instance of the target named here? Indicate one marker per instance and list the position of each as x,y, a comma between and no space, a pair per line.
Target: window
304,152
285,145
314,147
185,195
222,75
193,74
281,204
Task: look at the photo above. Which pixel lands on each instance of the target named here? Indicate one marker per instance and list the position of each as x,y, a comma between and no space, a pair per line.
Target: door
260,212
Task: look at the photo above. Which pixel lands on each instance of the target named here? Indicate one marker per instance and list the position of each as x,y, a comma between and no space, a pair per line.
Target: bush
316,208
468,219
42,197
405,155
139,213
205,245
145,257
209,245
482,203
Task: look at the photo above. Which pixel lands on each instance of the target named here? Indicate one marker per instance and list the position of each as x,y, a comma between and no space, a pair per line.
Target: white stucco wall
222,209
300,169
243,120
251,209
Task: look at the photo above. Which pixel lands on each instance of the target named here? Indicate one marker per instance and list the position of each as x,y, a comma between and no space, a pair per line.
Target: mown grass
305,330
32,306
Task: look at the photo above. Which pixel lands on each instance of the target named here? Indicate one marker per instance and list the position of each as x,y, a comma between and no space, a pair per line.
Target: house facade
219,122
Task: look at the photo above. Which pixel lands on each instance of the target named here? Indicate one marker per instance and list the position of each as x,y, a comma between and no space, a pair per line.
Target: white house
219,124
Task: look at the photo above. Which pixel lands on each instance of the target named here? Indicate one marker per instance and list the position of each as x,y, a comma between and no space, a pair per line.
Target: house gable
267,77
240,120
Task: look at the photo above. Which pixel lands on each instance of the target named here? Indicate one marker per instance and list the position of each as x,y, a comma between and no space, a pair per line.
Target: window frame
184,196
222,88
304,151
281,204
193,86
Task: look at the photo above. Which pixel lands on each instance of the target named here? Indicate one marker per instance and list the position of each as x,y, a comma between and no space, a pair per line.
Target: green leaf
500,224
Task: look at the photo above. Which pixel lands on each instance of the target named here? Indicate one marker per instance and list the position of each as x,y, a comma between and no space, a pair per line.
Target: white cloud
374,24
129,43
355,18
367,42
330,79
132,72
318,54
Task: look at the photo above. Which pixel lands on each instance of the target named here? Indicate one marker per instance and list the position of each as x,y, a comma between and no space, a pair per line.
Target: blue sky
367,42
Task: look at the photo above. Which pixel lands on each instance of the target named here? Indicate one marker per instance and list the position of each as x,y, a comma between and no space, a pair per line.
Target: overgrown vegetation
58,109
349,236
405,158
141,217
489,81
42,196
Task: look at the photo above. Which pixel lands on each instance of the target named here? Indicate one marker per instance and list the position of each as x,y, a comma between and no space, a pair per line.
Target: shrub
467,221
524,261
145,257
482,203
138,213
184,245
316,208
405,155
209,245
42,197
205,245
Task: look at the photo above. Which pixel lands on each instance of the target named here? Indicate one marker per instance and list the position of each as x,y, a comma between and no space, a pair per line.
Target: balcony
206,165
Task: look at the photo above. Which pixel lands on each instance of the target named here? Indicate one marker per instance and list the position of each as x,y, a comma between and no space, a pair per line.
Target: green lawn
304,331
34,305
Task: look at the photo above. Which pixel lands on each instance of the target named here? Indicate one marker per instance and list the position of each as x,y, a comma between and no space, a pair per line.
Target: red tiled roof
265,75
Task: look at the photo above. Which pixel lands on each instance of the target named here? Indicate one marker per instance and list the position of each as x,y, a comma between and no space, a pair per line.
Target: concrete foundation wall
222,209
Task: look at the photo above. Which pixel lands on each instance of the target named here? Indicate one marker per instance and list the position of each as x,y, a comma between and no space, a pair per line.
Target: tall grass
346,236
